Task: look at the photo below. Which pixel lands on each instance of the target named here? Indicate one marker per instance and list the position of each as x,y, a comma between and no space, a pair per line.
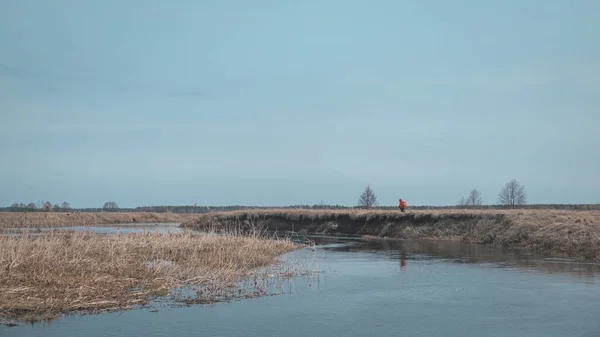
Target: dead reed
44,276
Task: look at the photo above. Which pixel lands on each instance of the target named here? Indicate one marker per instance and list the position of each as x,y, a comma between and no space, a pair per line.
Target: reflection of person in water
403,262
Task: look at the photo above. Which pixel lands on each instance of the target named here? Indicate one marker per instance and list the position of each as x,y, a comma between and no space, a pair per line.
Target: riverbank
565,233
63,219
45,276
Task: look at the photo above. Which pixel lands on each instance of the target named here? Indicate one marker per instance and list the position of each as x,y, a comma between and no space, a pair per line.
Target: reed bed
44,276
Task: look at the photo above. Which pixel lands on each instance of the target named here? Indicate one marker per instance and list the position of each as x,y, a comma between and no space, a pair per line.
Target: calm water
385,288
122,228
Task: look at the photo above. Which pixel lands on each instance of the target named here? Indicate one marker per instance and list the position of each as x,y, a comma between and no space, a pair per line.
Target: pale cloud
15,79
517,78
66,128
588,75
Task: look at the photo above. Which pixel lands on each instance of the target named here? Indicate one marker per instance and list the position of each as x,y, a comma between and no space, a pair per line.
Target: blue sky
293,102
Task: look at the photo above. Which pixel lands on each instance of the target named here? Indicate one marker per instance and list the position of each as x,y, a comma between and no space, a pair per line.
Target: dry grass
50,219
44,276
290,213
572,233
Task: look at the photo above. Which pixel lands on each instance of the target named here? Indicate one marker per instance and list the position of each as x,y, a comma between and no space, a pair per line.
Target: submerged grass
44,276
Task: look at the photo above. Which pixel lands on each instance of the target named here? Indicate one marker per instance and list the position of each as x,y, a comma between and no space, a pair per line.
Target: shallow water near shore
125,228
384,288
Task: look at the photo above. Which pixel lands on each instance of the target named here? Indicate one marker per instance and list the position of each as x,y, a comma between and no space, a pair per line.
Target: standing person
402,205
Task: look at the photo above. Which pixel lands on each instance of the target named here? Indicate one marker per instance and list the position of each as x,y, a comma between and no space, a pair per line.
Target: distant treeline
207,209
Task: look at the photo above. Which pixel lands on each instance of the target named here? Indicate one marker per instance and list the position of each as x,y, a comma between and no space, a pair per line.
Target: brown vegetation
572,233
46,275
47,219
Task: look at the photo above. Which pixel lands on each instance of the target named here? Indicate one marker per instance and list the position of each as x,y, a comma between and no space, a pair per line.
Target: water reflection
465,253
403,262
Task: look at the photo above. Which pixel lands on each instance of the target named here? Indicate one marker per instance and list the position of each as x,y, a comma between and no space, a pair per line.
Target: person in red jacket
402,205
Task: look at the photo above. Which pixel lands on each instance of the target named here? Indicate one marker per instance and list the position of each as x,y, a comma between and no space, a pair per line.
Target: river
382,288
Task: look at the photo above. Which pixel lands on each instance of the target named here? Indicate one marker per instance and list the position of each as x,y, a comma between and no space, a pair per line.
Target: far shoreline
574,234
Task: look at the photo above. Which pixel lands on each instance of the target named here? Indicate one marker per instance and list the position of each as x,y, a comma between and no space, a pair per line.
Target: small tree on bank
512,194
474,199
110,205
66,206
367,199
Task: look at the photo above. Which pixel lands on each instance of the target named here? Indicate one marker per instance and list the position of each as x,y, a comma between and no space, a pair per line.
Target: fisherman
402,205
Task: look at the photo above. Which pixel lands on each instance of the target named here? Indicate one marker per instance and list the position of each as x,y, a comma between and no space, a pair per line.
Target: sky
286,102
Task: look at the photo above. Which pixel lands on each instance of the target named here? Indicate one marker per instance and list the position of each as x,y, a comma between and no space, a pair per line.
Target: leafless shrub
512,194
110,206
367,199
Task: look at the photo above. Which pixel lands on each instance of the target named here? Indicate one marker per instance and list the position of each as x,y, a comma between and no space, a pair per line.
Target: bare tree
110,205
367,198
512,194
32,206
47,206
474,198
66,206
